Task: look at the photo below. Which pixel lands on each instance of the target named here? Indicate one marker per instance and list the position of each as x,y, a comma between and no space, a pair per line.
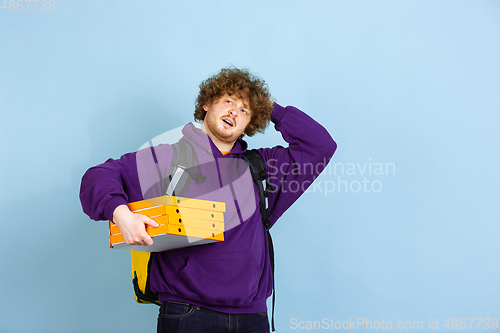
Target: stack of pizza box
182,222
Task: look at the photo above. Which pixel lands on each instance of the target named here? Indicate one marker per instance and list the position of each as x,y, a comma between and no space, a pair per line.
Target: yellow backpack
141,269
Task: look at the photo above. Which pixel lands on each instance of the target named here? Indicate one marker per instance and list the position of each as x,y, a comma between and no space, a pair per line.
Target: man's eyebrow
244,102
246,106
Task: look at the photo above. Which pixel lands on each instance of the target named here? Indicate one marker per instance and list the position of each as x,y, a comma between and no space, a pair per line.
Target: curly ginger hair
240,83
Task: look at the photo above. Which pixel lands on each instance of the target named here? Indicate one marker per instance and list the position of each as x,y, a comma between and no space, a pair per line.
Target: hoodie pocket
229,279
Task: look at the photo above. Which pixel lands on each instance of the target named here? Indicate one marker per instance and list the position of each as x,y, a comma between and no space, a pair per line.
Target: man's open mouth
227,121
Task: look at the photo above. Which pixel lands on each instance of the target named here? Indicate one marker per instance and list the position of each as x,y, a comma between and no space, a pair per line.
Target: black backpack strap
258,170
259,175
147,296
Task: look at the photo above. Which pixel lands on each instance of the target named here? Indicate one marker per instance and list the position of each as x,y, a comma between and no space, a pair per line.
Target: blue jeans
177,317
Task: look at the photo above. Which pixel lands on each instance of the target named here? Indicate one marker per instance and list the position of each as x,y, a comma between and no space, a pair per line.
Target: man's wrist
119,212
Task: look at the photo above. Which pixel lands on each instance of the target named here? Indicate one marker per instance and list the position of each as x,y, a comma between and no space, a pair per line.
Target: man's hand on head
133,226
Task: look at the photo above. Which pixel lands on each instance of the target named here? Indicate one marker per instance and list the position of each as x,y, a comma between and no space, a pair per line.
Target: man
219,287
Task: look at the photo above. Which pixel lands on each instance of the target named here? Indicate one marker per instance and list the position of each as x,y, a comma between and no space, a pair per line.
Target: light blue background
414,83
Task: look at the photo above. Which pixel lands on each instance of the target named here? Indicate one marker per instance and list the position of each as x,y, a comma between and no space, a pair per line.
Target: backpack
181,172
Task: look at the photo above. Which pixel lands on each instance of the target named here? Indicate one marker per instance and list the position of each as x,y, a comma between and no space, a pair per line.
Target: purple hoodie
233,276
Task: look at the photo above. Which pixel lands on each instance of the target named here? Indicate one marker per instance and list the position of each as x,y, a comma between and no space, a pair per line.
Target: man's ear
205,107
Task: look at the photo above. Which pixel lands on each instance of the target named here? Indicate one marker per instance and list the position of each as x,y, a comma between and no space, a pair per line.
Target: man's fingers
133,228
150,221
140,239
138,235
144,238
148,241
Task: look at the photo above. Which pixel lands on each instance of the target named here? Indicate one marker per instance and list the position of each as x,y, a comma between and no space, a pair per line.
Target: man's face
226,119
